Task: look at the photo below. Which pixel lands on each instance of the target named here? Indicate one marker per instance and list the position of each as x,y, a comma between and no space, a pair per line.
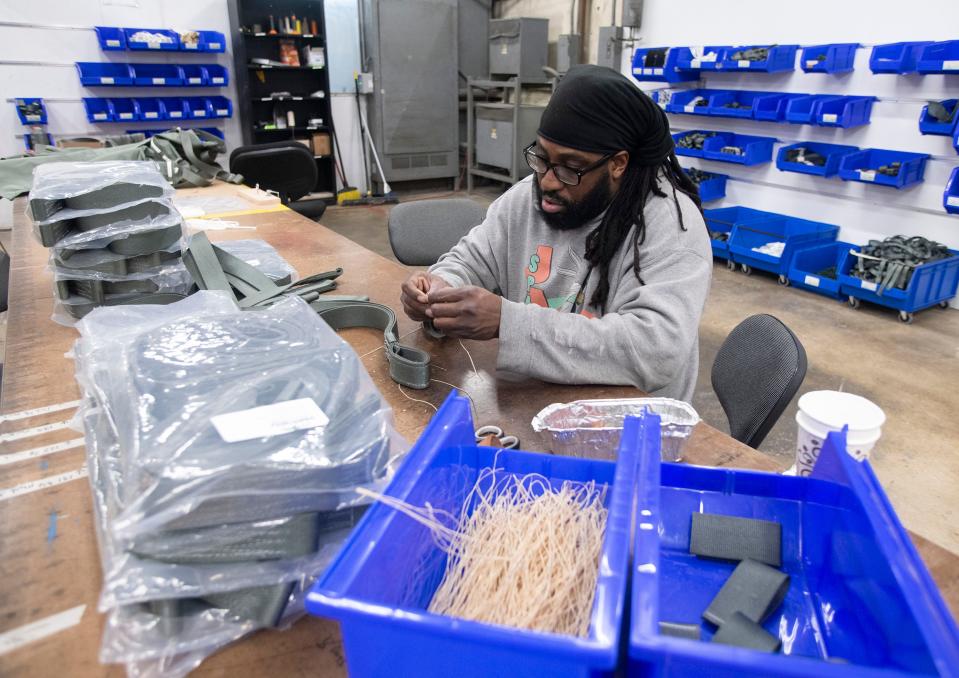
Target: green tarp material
184,157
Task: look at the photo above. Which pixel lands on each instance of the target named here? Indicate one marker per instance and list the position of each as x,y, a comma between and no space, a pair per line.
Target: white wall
863,211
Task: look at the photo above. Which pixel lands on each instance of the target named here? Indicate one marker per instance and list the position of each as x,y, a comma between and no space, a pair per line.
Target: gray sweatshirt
649,335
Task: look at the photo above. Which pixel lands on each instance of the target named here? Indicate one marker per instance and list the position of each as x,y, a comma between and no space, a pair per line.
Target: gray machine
567,51
518,47
500,139
411,47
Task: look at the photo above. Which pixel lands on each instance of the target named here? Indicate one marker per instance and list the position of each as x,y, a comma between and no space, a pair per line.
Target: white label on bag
867,175
830,117
744,63
950,65
99,116
150,115
159,81
866,285
195,81
213,45
269,420
106,81
811,280
113,43
952,201
217,81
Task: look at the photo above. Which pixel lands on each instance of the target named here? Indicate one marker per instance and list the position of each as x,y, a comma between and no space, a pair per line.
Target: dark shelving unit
257,82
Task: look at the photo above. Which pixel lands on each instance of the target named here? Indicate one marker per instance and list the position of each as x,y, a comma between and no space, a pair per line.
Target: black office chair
758,369
287,167
423,231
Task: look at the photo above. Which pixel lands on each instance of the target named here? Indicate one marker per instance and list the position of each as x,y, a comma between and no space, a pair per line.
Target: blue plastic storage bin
198,107
151,108
690,101
172,44
939,57
833,153
861,166
950,197
802,110
691,152
756,150
837,57
712,188
780,58
931,284
110,38
929,125
124,109
719,103
209,41
809,262
194,75
220,107
686,61
955,139
176,108
665,72
32,119
385,625
896,57
165,75
159,130
725,219
794,232
772,108
93,74
98,109
216,75
860,604
847,111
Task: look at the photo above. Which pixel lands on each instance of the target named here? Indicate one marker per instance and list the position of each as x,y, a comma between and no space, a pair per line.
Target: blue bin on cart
98,109
837,57
772,108
931,284
151,108
32,119
177,108
860,603
380,584
939,57
691,102
795,233
209,41
124,109
167,40
724,220
897,57
744,103
862,166
755,150
94,74
834,153
110,38
929,125
950,197
779,58
809,262
686,61
665,72
846,111
151,75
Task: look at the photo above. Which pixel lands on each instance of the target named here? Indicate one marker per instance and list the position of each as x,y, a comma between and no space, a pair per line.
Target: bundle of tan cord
521,553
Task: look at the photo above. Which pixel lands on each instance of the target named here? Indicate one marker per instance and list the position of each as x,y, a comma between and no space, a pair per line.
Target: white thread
26,414
415,400
382,347
469,355
16,638
35,431
42,484
461,389
40,451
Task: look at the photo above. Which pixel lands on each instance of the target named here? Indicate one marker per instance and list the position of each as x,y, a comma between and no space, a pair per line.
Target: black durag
597,110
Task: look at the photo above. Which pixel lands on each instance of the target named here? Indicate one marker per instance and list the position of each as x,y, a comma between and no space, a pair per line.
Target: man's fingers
412,290
448,294
445,310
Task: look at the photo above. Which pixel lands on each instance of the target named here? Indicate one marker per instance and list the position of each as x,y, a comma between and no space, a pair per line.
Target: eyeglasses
564,174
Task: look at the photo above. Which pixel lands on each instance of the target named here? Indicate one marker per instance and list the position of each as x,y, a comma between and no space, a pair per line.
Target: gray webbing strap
732,538
741,631
753,589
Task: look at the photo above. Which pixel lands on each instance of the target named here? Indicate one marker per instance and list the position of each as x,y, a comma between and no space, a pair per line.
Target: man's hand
415,291
465,312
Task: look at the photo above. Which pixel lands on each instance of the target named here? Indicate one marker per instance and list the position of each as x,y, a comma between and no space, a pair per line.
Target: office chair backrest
287,167
757,371
423,231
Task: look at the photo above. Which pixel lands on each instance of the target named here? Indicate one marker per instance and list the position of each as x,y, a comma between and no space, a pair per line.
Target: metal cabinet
500,141
518,47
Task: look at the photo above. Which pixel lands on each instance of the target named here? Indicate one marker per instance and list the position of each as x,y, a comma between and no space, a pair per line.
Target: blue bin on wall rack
207,41
98,109
168,40
794,232
32,119
897,57
950,197
220,107
94,74
659,72
846,111
151,108
725,220
687,61
381,582
939,57
124,109
802,110
837,57
713,187
833,153
809,263
159,130
110,38
216,75
194,75
862,166
755,150
779,58
198,107
150,75
691,152
772,108
734,103
929,125
931,284
860,604
690,101
176,108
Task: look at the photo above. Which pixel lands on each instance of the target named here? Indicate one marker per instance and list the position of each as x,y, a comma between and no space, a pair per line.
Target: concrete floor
911,371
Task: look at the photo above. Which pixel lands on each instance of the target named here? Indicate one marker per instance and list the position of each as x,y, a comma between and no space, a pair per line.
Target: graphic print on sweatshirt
545,278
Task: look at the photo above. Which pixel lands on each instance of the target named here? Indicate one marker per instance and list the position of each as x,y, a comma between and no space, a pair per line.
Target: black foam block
731,538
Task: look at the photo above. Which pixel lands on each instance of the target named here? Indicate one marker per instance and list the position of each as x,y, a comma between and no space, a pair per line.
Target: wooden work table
49,562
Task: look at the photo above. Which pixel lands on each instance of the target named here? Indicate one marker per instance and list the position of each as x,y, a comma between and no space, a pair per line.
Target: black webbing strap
732,538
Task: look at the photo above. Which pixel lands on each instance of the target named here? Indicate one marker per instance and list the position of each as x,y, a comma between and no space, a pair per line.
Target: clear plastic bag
261,255
62,180
185,516
99,237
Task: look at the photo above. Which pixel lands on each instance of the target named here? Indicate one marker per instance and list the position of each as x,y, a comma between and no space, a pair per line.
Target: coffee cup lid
836,409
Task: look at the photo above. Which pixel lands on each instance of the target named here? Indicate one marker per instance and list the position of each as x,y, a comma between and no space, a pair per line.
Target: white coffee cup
823,411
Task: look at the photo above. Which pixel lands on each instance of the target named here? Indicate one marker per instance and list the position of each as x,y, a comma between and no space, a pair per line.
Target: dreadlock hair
626,210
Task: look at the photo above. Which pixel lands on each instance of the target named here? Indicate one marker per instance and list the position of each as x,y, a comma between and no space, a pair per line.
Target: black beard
575,214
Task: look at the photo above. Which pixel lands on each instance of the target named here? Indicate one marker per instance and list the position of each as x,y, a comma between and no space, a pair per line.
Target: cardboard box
321,144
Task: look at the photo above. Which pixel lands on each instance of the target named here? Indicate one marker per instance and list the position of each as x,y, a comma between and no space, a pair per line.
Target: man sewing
594,269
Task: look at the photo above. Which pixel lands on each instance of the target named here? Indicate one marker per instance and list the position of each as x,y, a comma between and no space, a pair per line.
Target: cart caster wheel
784,281
943,305
854,302
730,265
905,317
748,270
